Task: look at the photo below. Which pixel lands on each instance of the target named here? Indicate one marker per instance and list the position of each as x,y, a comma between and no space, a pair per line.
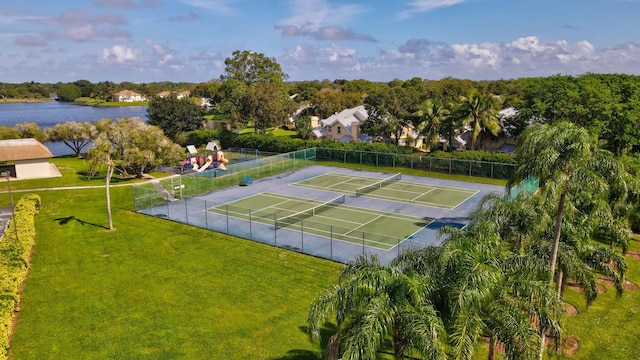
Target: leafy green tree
246,74
328,102
480,111
265,105
9,132
208,90
135,147
360,86
372,302
250,67
129,146
173,115
86,87
389,113
31,130
69,92
73,134
303,126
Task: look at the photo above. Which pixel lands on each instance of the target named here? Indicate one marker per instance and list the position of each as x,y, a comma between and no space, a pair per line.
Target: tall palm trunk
554,259
556,236
492,348
110,170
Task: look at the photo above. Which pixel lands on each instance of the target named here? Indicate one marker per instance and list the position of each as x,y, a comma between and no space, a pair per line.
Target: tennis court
390,188
332,218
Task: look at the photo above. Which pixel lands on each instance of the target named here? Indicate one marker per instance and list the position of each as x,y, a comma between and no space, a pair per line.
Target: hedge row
15,250
283,144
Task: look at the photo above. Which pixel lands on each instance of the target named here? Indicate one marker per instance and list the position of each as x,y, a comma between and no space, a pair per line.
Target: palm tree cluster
500,279
476,112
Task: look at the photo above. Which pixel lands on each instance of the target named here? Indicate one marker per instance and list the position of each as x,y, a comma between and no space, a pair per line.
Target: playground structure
213,158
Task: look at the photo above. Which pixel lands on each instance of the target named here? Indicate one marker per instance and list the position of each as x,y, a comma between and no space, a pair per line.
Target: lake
48,114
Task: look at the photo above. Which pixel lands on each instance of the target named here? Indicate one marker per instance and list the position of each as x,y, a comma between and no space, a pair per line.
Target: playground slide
203,167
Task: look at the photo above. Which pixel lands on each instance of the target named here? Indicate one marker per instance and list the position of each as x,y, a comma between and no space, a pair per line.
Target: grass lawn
101,103
73,171
158,289
610,327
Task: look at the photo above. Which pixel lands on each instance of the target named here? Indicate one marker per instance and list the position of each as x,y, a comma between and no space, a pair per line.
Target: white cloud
420,6
315,14
523,57
120,54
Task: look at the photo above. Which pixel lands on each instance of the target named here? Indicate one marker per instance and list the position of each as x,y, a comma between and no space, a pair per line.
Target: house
26,159
343,126
127,96
180,95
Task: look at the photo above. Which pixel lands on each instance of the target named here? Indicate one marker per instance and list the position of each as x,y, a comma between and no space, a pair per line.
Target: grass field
158,289
155,289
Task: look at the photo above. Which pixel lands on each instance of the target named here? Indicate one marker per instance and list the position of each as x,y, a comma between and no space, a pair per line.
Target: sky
145,41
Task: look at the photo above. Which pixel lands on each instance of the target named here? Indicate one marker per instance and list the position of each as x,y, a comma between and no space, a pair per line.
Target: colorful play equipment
212,159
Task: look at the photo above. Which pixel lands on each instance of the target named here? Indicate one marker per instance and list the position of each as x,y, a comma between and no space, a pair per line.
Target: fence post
206,216
186,210
226,210
331,242
250,226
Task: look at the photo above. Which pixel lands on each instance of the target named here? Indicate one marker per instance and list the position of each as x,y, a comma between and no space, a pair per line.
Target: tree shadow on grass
326,332
66,220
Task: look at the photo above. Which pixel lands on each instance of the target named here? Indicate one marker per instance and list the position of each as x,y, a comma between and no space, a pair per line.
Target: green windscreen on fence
529,184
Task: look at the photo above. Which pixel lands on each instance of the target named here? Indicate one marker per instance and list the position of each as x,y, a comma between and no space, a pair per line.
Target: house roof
347,117
126,93
23,149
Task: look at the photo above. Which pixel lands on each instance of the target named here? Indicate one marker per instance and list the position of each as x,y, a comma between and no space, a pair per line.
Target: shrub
15,251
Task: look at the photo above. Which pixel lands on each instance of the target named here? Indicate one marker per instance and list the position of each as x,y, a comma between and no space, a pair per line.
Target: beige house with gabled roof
26,159
127,96
343,126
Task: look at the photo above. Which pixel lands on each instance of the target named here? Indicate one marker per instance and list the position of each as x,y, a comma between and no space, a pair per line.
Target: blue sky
378,40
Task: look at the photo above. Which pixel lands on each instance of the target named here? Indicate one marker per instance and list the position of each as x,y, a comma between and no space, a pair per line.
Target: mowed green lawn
155,289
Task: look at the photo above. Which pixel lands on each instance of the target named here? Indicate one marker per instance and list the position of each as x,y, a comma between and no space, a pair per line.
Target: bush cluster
15,251
282,144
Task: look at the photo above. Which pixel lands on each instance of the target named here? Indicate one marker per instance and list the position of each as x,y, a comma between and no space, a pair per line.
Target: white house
343,126
127,96
26,159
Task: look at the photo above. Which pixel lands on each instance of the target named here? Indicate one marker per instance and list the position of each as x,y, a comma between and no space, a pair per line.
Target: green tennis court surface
334,219
390,189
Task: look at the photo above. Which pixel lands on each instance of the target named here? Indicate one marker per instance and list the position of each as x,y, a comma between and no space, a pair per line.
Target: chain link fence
174,198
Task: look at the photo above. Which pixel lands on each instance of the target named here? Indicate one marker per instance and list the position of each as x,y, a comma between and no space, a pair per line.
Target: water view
48,114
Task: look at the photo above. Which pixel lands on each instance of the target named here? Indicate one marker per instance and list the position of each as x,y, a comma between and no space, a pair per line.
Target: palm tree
480,111
373,302
566,160
428,120
495,292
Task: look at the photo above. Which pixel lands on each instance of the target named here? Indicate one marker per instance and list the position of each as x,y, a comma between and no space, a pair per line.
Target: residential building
127,96
343,126
26,159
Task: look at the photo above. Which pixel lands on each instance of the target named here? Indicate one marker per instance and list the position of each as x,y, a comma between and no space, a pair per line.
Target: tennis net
299,216
378,185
